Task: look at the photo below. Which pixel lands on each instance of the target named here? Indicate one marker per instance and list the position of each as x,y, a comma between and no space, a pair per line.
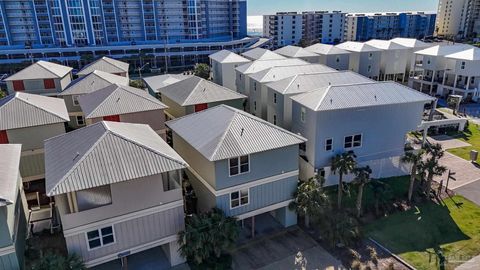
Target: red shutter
112,118
3,137
18,86
49,83
201,107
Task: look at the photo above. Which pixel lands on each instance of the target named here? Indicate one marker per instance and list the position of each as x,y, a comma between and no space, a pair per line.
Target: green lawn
453,227
471,135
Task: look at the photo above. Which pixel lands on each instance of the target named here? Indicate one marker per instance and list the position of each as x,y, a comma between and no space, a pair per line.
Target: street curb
393,255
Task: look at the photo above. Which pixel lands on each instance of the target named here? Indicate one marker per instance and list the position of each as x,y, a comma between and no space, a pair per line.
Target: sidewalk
472,264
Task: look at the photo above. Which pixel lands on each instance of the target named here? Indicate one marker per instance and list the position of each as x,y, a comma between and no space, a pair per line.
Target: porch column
424,138
171,251
286,217
468,83
433,79
432,111
455,82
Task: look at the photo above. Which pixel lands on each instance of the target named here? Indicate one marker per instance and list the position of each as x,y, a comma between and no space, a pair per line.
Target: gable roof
223,132
195,90
92,82
262,54
225,56
260,65
307,82
278,73
41,70
118,99
354,46
105,153
20,110
9,178
410,42
294,51
105,64
442,50
337,97
385,44
472,54
325,49
159,81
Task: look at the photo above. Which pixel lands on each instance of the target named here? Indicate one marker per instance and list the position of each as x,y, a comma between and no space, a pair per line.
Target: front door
112,118
201,107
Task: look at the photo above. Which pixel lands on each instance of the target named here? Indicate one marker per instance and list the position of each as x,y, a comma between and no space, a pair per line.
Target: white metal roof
325,49
105,153
195,90
260,65
225,56
411,42
223,132
92,82
294,51
118,99
9,176
385,44
278,73
442,50
337,97
41,70
472,54
105,64
307,82
262,54
20,110
159,81
354,46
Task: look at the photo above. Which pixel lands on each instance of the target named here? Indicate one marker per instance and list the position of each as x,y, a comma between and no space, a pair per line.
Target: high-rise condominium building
288,28
458,19
363,27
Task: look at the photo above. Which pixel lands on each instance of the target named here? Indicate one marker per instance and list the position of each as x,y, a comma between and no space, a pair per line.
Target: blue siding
9,262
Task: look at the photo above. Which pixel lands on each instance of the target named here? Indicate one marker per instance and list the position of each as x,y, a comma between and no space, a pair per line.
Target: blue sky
261,7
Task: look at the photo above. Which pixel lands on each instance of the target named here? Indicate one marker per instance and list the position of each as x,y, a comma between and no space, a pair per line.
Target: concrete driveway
288,249
466,171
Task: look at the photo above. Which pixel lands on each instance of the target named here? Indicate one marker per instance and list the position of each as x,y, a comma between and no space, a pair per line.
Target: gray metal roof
411,42
325,49
225,56
10,172
282,72
20,110
196,90
360,95
260,65
159,81
118,99
385,44
442,50
472,54
262,54
223,132
41,70
294,51
105,153
93,82
105,64
354,46
307,82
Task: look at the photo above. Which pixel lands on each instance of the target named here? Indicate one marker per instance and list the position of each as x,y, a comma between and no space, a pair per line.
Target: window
3,137
274,119
303,113
75,100
238,165
101,237
80,120
463,65
329,144
370,55
338,59
353,141
255,106
18,86
239,198
369,69
49,84
255,86
274,98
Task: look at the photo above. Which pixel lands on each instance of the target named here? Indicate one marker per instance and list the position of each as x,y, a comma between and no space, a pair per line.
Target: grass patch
471,135
453,227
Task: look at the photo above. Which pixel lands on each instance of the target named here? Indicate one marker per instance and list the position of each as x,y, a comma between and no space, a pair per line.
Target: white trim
331,145
75,113
133,250
353,140
7,250
243,186
239,198
100,237
75,97
122,218
239,166
76,120
264,210
161,131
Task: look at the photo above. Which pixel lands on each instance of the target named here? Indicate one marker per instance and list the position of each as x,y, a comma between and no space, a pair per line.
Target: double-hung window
100,237
239,198
80,120
274,98
329,144
238,165
303,113
75,100
353,141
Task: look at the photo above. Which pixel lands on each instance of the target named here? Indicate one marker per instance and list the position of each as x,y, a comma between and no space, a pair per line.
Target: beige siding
207,199
173,108
64,82
69,103
32,138
32,166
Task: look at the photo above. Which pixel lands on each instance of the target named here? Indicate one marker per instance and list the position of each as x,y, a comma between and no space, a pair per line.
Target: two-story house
413,46
29,119
239,163
13,224
462,75
279,93
223,65
154,83
119,103
43,78
331,56
393,60
364,59
372,119
117,188
84,85
291,51
106,64
195,94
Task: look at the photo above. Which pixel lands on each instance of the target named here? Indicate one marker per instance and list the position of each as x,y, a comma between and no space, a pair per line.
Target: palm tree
55,261
310,200
414,158
202,71
362,177
343,164
208,236
431,165
381,192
